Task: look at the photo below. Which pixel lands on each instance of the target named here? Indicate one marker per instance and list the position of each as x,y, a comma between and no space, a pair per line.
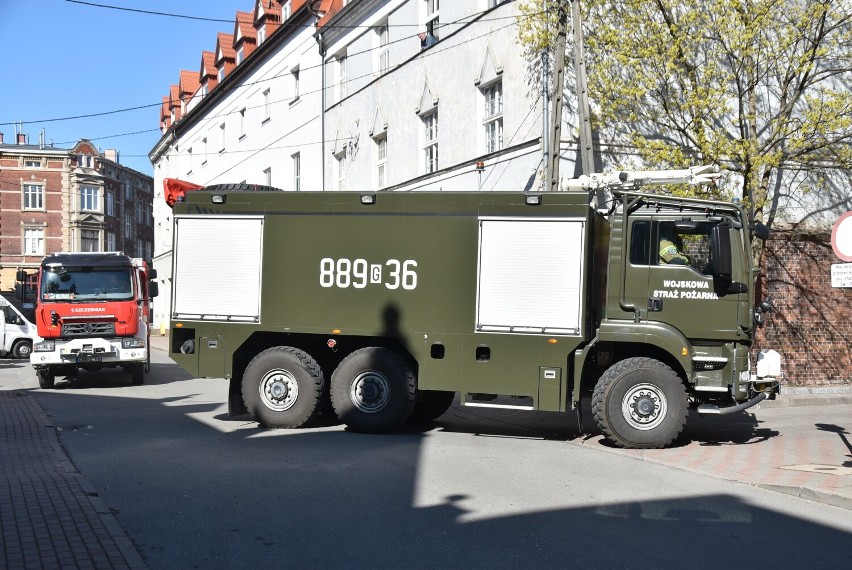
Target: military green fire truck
389,304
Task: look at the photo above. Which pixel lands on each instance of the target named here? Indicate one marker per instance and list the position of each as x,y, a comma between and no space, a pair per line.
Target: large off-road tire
282,387
640,403
373,390
431,404
137,374
22,349
46,378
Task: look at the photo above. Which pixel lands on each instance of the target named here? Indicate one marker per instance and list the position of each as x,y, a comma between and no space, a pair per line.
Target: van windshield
86,284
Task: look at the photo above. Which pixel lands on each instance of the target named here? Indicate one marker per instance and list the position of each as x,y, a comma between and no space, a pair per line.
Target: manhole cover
827,469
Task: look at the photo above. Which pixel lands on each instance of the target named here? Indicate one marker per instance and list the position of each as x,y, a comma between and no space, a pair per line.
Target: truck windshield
86,284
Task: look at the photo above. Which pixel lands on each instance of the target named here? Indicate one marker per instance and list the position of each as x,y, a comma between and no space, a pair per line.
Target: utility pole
583,113
545,109
555,137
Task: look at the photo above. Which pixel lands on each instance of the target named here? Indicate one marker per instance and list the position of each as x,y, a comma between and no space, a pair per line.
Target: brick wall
811,322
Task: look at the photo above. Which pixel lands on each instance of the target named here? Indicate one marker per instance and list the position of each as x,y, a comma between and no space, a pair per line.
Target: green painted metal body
423,299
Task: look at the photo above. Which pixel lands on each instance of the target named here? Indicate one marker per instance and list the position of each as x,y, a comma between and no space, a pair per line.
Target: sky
65,59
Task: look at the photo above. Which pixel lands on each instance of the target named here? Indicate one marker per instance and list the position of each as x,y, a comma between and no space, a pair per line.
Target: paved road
182,485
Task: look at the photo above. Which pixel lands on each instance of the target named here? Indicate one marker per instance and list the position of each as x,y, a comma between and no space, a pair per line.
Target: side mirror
720,250
21,276
153,289
761,232
152,273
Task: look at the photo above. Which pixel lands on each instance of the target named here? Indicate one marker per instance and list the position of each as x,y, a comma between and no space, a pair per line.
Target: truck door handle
655,305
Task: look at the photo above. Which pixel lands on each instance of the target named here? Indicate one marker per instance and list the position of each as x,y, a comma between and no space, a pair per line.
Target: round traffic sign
841,237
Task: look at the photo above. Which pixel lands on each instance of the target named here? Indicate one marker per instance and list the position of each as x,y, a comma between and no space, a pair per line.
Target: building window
110,242
241,54
266,104
267,176
493,121
89,240
294,73
285,10
341,77
432,23
33,241
297,172
220,76
89,198
33,197
340,170
32,163
382,161
430,123
384,51
261,34
110,204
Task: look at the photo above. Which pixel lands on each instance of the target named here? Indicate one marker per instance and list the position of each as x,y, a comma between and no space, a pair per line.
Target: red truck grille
88,329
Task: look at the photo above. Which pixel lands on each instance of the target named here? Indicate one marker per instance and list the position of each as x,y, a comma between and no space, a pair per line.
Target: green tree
760,87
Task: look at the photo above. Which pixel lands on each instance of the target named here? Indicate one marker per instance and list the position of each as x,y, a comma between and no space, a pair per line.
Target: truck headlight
44,346
133,343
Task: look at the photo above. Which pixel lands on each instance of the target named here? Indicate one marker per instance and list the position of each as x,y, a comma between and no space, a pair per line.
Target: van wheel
282,387
46,378
22,349
373,390
640,403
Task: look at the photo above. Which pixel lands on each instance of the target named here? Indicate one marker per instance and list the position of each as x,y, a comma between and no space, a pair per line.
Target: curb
811,495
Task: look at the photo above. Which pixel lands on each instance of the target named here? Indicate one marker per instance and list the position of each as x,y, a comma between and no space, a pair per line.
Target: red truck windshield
86,284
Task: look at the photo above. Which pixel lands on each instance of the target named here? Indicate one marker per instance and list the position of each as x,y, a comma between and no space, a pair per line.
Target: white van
16,332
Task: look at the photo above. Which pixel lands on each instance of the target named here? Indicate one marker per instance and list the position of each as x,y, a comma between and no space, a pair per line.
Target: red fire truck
92,312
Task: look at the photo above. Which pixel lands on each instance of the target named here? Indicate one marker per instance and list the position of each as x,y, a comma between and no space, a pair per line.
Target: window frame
88,196
26,196
430,146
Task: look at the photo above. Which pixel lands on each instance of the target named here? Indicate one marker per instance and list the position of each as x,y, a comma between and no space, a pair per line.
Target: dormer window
221,73
240,54
261,34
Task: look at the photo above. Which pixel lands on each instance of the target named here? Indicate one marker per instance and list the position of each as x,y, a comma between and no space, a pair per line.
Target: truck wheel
640,403
46,378
22,349
431,404
137,374
282,387
373,390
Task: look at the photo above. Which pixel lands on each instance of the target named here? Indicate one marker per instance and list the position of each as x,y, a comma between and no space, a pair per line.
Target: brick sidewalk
50,515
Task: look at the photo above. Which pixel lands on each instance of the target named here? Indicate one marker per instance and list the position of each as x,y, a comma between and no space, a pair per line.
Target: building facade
333,95
77,199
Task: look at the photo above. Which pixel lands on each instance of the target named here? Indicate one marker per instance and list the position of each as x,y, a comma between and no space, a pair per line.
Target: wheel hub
644,406
279,390
370,392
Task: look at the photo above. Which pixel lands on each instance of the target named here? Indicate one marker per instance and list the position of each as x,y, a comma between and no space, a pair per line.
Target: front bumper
85,351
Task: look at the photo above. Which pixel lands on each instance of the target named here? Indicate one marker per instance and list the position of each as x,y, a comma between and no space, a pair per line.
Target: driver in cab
671,246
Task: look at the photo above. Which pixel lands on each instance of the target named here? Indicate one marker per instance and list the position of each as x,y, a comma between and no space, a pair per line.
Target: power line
124,9
431,53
